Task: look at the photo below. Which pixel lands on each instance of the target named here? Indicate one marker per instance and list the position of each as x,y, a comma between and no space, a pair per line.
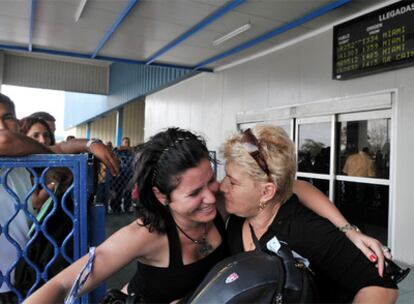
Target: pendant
204,248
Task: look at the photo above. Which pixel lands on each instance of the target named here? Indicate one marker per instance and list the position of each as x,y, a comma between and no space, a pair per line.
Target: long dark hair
160,162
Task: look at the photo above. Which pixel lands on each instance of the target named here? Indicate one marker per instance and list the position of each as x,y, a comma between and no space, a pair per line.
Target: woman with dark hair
174,169
40,250
38,129
179,234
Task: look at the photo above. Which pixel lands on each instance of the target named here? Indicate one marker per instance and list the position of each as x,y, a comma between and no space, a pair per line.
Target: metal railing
54,235
114,191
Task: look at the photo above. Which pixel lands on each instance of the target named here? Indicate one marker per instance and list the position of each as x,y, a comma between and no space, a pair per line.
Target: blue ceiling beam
32,21
88,56
114,26
284,28
199,26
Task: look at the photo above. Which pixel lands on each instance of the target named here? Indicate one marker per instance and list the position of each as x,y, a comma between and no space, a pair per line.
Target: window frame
372,105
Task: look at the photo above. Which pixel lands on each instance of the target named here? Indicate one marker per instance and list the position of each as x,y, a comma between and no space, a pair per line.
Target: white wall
297,74
80,131
104,128
133,121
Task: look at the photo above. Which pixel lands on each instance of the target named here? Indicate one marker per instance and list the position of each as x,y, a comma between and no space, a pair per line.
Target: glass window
364,148
364,205
314,140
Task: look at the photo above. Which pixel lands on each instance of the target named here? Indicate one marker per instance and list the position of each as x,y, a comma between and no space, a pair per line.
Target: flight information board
378,41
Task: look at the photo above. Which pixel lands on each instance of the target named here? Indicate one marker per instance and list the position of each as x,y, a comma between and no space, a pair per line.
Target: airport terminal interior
336,75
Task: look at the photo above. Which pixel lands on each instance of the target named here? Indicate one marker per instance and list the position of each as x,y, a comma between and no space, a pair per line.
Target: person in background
13,143
359,195
19,181
110,145
258,191
39,130
125,143
58,225
51,121
359,164
70,137
179,233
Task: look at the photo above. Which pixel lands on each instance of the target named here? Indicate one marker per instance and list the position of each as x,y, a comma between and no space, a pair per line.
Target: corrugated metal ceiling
135,30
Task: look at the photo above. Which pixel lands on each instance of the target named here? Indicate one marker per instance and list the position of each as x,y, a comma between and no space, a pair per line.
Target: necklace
204,247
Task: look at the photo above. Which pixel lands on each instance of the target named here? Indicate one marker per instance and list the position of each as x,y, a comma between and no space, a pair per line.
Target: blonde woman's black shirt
341,268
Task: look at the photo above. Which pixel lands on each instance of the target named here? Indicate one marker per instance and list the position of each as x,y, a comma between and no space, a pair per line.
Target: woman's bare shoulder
138,238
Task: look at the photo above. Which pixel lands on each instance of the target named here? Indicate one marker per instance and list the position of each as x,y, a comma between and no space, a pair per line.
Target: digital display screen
378,41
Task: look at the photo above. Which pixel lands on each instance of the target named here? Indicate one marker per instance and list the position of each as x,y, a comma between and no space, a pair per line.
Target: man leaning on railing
12,143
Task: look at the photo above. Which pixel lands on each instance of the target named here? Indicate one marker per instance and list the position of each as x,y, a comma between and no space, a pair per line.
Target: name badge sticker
273,245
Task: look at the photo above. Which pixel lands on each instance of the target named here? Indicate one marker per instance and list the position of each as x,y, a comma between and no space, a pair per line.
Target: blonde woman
258,191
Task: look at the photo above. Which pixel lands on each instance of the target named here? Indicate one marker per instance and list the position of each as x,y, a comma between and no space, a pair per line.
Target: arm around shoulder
315,200
311,197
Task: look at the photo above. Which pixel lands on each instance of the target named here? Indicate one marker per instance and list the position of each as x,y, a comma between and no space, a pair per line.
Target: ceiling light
232,34
80,9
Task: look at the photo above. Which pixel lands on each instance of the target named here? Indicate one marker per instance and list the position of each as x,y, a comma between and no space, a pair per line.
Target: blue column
88,130
119,123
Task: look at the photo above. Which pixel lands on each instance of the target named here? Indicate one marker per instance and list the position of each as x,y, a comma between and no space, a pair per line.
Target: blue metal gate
72,203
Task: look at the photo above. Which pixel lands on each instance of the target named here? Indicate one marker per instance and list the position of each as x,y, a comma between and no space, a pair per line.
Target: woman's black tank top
166,284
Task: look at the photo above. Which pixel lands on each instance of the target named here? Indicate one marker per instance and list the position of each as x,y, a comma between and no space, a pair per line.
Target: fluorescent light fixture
80,9
232,34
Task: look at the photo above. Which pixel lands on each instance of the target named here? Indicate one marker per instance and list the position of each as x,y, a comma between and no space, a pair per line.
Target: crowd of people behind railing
35,134
26,194
114,191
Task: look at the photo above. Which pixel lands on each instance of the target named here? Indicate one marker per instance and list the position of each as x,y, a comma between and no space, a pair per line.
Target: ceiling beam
277,31
79,10
199,26
32,21
128,8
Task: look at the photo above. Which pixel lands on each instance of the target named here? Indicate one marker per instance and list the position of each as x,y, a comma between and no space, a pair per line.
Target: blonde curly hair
277,150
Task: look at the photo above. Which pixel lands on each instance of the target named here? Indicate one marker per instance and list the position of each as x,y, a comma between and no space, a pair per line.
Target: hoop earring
167,205
262,205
